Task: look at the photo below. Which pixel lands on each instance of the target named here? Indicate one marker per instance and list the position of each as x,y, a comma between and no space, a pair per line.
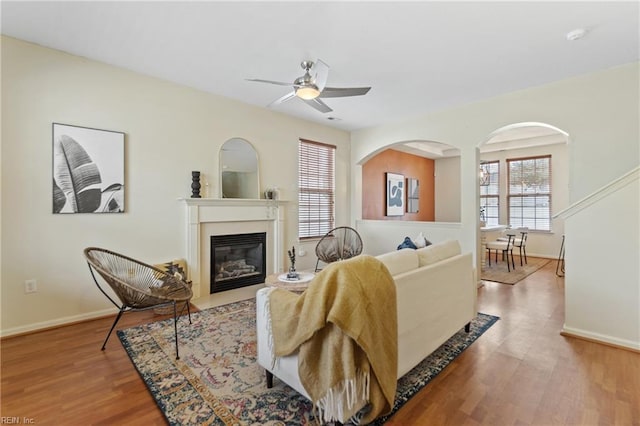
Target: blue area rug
217,380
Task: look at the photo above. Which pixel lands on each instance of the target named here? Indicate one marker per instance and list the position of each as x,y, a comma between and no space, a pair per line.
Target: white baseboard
601,338
57,322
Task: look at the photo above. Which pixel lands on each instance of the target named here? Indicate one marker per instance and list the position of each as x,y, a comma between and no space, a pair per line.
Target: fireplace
205,217
237,260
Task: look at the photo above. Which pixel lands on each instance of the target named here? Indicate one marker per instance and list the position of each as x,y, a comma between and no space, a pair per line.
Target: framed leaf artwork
88,170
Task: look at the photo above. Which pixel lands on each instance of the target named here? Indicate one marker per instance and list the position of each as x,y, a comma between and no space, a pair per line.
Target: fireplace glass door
237,261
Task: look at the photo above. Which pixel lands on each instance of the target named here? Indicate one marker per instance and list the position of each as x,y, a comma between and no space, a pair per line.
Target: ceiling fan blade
279,83
339,92
322,73
318,104
282,99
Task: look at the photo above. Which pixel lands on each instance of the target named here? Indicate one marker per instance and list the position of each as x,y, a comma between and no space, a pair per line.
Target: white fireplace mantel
229,216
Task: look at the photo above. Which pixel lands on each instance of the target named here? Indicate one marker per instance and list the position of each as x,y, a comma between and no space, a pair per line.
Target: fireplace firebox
237,260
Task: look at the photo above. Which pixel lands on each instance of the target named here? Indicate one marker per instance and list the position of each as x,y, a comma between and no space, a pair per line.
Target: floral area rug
217,380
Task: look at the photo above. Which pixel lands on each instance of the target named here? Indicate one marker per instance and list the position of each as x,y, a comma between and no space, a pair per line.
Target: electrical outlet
30,286
301,252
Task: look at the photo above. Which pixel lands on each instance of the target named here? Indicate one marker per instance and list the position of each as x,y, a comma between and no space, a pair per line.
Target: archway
511,200
432,167
436,167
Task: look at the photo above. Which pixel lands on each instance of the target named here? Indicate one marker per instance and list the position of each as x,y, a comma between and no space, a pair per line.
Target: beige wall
600,113
170,131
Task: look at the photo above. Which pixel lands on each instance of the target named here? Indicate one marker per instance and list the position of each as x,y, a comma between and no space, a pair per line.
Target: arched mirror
239,172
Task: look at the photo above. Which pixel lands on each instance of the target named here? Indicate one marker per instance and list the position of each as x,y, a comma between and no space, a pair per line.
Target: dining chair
520,242
506,247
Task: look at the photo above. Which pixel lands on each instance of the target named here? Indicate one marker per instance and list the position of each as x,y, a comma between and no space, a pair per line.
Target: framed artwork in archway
413,195
395,194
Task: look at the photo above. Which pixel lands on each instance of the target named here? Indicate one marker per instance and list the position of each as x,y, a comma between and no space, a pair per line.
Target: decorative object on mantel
292,275
195,184
206,189
271,193
88,170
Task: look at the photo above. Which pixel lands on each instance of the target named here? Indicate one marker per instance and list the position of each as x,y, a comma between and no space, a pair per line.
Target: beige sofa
436,296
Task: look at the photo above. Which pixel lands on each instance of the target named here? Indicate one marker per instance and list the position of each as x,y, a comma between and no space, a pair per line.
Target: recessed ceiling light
576,34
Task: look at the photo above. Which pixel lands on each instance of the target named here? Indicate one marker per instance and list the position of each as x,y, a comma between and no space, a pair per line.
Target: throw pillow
407,243
420,241
177,268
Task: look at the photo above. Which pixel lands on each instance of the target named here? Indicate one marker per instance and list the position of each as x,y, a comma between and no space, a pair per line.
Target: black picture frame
395,191
413,195
87,170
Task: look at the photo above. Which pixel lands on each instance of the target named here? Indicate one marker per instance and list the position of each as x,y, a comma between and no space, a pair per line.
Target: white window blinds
316,188
529,192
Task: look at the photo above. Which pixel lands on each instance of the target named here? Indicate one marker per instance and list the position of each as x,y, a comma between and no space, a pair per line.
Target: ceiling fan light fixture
311,87
307,92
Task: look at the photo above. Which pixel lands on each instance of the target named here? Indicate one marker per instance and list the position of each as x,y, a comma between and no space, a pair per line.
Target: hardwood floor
520,372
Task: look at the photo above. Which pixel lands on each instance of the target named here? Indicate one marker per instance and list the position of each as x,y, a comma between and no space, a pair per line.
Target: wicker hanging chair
138,286
340,243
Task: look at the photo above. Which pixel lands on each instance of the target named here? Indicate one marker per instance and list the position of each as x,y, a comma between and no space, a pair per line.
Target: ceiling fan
311,87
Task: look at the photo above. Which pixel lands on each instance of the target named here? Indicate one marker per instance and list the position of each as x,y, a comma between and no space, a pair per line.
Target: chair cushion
399,261
498,245
517,242
437,252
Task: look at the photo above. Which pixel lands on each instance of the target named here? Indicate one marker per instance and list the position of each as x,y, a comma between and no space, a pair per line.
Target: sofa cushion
437,252
399,261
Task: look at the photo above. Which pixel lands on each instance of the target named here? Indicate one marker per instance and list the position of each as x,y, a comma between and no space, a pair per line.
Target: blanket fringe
267,315
342,398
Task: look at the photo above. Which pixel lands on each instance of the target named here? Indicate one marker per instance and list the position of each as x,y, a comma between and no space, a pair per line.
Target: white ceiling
417,56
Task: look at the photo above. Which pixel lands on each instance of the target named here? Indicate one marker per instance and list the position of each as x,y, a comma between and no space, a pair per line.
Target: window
316,187
490,194
529,193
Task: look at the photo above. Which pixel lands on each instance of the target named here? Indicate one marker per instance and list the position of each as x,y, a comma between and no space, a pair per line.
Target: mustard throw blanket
345,329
